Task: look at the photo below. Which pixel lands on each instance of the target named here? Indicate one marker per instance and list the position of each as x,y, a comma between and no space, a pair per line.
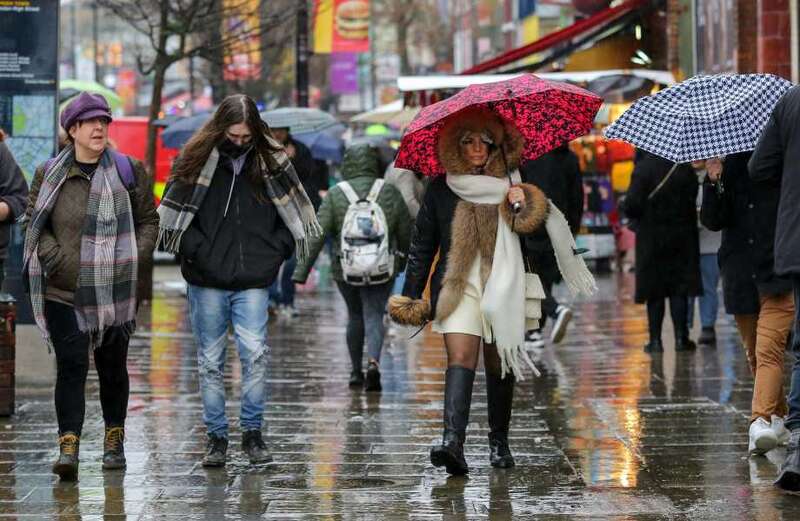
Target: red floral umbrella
546,113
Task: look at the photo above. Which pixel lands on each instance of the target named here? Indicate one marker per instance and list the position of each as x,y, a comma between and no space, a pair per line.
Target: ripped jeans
210,312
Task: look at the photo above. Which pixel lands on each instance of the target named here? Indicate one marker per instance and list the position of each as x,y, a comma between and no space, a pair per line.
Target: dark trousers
366,306
678,309
72,365
793,419
282,290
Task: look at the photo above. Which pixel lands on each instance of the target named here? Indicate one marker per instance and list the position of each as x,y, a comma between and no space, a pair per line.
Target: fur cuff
409,312
532,216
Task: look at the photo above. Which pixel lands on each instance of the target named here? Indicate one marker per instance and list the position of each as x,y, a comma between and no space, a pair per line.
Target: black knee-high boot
457,399
499,395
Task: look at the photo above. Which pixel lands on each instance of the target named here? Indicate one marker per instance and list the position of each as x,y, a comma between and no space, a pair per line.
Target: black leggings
678,310
72,365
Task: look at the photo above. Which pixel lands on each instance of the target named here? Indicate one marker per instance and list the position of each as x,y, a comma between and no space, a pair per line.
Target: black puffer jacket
558,175
242,249
745,211
777,157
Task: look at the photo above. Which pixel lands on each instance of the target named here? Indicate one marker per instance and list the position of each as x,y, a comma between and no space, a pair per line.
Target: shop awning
580,28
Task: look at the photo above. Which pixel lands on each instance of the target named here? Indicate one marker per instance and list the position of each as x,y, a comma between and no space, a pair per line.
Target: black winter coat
242,249
667,243
13,192
558,175
777,158
432,233
745,211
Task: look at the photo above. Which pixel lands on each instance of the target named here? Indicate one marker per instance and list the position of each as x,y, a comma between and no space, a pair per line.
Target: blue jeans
210,311
282,290
793,401
399,282
709,301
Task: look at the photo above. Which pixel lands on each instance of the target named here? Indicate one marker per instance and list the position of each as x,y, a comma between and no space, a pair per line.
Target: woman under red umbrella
474,216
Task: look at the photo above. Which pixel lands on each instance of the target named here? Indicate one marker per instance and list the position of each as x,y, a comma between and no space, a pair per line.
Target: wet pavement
608,433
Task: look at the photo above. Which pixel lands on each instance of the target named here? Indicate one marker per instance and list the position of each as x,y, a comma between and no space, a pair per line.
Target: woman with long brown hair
234,210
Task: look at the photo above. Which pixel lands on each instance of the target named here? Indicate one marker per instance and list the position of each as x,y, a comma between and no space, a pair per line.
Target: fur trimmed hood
505,136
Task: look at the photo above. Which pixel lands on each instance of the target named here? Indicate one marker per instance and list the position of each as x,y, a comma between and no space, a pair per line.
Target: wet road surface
608,432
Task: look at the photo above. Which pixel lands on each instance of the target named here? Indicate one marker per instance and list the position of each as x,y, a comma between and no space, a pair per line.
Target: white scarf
503,301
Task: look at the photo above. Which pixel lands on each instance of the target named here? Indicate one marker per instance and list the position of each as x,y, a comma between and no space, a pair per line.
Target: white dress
467,317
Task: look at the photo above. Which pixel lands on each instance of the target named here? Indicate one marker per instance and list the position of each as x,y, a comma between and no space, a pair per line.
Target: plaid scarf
106,292
182,201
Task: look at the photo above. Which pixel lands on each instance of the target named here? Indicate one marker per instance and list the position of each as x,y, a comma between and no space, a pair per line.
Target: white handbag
534,295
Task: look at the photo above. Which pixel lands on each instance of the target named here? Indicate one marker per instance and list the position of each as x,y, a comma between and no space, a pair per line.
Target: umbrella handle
516,207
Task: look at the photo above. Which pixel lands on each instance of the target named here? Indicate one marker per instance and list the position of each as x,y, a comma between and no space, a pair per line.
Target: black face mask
231,149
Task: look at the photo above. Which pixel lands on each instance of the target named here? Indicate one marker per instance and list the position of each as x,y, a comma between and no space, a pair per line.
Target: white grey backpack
365,256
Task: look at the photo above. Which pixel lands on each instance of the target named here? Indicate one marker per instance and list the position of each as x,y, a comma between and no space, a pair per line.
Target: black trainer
114,449
216,451
66,466
654,346
255,448
789,477
356,378
373,380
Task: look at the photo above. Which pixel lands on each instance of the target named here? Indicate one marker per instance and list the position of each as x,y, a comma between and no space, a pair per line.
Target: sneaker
373,380
216,451
762,438
781,432
356,378
113,448
66,466
563,316
255,448
534,339
685,345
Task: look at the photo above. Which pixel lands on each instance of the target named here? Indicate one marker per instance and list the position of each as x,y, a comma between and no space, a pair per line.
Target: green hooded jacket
360,167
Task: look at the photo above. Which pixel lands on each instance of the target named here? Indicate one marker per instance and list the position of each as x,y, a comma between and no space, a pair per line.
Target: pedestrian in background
412,187
558,175
761,302
777,159
366,303
710,241
234,210
282,291
662,200
13,198
84,296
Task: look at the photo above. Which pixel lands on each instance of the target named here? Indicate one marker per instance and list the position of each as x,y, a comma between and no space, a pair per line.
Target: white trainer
781,432
563,316
762,438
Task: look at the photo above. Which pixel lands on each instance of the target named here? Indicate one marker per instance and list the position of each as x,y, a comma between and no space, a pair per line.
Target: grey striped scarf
182,201
106,291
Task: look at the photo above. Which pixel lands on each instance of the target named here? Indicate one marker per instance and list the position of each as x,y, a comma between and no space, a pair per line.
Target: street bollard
8,315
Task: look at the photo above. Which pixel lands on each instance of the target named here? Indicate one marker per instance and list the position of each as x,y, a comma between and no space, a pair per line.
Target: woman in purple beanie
90,220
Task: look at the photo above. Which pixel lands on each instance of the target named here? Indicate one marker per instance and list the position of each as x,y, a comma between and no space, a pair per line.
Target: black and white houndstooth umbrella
702,117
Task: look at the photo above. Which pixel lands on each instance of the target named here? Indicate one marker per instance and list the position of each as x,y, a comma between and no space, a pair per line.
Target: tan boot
66,466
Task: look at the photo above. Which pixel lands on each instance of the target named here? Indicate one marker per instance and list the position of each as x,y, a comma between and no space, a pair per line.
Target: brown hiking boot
66,466
113,448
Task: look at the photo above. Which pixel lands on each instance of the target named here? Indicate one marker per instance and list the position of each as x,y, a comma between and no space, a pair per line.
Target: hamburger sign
341,26
351,26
